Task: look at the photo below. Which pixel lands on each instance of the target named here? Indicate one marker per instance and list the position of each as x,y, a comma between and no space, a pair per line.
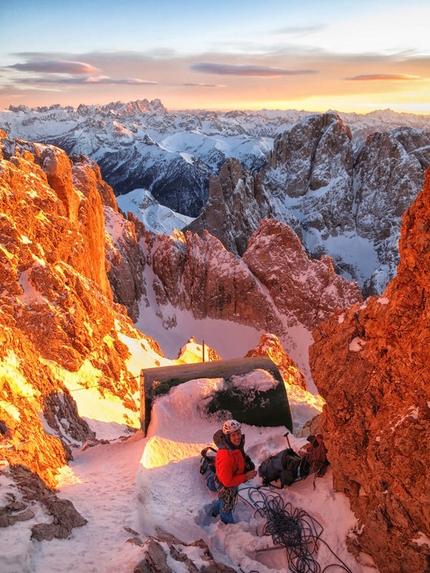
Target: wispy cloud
256,71
205,85
299,30
56,67
90,80
112,81
383,77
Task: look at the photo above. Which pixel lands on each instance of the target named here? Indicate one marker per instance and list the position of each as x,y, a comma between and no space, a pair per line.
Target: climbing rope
292,528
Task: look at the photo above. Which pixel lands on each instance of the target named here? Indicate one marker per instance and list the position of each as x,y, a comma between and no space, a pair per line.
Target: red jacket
230,467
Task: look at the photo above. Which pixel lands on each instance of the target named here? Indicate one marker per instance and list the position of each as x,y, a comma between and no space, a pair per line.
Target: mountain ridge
320,175
212,137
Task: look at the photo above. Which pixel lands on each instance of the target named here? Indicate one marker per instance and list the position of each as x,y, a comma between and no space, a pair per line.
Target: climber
233,467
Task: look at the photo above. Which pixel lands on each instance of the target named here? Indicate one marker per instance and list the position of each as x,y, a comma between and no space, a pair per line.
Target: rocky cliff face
344,202
370,363
274,283
125,259
234,208
59,325
339,201
307,289
274,288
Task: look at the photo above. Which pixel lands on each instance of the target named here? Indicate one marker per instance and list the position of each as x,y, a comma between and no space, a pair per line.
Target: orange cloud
383,77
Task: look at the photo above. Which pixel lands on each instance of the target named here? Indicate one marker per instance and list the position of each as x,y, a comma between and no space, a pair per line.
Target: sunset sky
220,55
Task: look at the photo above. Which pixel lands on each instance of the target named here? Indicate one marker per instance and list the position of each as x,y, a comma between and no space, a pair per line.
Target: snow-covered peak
156,218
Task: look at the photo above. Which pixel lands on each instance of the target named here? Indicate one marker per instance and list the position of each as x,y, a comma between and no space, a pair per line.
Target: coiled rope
293,528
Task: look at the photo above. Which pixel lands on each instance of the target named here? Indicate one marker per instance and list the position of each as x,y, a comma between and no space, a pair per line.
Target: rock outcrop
338,199
165,552
31,490
59,324
126,260
309,290
325,189
272,288
370,363
234,207
271,347
315,161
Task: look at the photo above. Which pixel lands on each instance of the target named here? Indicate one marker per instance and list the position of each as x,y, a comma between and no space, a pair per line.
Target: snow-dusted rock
274,288
60,328
234,208
348,207
271,347
308,290
338,202
156,217
370,363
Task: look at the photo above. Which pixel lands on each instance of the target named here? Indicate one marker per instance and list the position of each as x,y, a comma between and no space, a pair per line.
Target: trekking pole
288,439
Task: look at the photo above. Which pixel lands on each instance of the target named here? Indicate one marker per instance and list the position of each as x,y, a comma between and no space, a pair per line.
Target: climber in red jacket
233,467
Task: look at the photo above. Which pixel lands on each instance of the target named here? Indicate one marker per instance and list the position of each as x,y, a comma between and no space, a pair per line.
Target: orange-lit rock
309,290
56,310
370,364
271,347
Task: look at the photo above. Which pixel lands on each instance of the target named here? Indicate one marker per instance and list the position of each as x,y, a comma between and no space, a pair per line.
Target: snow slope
156,218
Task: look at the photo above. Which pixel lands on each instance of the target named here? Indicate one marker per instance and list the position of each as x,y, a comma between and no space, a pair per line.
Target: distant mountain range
341,181
141,144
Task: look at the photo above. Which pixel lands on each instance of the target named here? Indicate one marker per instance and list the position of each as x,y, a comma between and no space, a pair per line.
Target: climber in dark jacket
233,467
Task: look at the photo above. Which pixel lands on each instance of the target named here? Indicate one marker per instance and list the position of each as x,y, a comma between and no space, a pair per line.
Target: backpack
207,467
286,466
317,454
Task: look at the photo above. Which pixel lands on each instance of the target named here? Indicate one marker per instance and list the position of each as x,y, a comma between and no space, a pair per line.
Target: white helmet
230,426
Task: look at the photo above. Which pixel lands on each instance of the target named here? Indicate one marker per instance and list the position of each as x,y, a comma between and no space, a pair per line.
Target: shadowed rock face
234,208
370,364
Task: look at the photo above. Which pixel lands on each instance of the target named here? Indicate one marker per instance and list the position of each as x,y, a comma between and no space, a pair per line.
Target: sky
221,55
129,486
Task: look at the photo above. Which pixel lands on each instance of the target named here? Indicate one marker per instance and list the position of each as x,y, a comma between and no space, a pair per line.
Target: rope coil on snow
293,529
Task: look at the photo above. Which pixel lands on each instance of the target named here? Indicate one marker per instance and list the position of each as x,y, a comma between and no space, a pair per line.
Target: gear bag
317,454
286,466
207,467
